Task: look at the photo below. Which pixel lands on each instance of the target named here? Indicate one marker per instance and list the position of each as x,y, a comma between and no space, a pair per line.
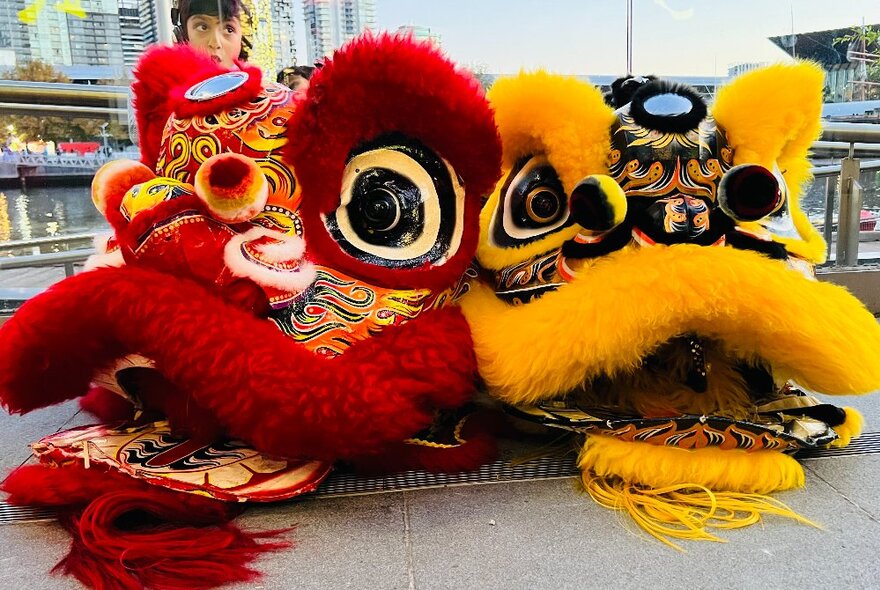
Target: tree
28,128
864,43
35,71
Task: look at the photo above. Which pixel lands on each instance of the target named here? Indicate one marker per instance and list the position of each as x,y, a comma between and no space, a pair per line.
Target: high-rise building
131,32
283,28
85,46
330,23
355,16
15,42
148,21
420,33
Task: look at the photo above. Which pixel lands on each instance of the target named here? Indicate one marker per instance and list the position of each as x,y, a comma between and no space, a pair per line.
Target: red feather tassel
137,536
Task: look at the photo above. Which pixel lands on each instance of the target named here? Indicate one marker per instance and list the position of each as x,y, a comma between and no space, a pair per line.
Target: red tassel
139,536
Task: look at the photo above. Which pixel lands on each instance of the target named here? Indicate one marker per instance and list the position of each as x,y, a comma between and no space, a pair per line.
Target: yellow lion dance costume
646,279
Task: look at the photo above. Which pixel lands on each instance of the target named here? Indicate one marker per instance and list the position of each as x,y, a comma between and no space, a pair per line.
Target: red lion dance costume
279,274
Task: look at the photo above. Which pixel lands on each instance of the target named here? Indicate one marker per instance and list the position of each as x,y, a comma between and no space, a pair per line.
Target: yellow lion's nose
598,204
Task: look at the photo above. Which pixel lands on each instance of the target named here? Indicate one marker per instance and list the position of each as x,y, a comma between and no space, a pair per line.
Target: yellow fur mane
623,306
771,116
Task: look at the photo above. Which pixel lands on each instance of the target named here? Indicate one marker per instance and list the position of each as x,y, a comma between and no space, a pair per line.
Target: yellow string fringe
685,511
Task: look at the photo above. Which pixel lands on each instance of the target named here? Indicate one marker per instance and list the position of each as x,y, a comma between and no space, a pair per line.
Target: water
813,202
45,212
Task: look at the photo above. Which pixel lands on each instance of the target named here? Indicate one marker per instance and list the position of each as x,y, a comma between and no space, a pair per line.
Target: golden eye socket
543,205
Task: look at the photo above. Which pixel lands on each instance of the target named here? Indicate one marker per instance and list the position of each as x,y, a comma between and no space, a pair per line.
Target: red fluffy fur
379,85
162,77
129,535
479,449
256,382
106,406
184,108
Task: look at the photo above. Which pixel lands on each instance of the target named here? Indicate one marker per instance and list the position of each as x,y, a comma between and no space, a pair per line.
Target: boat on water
868,220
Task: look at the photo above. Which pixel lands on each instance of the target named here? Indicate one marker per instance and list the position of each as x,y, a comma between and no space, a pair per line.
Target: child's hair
287,73
222,9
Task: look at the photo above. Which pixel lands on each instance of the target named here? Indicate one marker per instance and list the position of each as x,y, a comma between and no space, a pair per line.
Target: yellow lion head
647,280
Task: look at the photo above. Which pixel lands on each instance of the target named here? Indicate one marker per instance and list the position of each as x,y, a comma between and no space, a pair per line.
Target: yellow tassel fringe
684,511
675,493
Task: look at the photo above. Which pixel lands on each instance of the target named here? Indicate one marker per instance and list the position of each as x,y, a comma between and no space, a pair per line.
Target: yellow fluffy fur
625,305
771,116
560,117
850,429
758,472
650,393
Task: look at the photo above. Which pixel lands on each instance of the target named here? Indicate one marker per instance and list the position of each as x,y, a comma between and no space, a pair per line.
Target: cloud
675,14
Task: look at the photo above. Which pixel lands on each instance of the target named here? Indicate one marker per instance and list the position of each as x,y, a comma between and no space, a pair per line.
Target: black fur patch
680,123
622,89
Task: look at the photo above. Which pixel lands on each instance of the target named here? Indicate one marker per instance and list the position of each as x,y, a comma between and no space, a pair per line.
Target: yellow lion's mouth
648,337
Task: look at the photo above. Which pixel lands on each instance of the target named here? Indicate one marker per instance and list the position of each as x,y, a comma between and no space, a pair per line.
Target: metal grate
347,484
10,514
554,467
866,444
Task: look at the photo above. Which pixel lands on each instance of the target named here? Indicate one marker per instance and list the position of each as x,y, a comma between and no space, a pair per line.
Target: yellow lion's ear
771,116
558,116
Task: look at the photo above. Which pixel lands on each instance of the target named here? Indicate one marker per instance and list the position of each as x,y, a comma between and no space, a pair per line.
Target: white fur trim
101,241
286,249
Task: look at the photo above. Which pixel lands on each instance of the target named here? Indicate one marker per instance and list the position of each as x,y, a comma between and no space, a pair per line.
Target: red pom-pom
232,187
112,181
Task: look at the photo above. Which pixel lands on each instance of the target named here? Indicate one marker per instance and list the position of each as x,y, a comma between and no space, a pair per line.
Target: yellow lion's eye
543,205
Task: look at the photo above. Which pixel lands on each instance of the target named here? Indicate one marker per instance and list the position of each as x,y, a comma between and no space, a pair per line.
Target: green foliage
866,39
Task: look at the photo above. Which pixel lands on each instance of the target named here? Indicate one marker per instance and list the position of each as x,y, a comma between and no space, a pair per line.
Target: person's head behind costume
295,77
214,26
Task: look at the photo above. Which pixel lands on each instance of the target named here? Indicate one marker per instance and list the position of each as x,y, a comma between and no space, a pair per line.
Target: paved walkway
523,535
534,534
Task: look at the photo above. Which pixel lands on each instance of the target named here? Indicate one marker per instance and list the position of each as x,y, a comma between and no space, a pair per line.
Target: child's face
221,39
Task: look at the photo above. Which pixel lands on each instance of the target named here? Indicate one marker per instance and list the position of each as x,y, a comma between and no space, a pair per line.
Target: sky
670,37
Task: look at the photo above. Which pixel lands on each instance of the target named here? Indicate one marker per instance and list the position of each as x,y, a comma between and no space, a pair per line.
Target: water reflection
52,211
23,220
5,227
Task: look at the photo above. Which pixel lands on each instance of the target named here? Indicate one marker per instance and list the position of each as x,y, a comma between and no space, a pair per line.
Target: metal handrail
843,146
834,136
834,169
69,260
851,132
37,242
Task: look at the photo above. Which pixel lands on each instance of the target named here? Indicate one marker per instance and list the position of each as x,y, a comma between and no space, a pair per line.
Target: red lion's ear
162,77
160,70
379,85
